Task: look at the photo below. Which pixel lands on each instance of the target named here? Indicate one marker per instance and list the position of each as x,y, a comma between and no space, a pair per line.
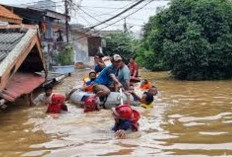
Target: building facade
86,45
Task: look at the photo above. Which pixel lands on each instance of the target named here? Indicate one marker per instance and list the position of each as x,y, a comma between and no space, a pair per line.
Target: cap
117,57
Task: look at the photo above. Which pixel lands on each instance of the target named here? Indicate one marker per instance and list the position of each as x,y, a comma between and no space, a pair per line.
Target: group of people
102,81
105,79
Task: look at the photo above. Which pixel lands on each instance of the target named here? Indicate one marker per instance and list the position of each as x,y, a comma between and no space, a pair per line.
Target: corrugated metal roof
8,40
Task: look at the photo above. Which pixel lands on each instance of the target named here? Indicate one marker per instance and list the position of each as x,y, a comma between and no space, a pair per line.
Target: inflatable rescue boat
114,99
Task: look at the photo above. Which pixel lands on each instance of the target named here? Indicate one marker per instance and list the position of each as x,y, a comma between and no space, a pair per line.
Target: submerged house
20,57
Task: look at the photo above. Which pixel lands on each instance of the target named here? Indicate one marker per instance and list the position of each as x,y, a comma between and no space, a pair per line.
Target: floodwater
189,119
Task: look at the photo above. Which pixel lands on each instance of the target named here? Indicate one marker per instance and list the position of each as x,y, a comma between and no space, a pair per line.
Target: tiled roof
8,40
7,15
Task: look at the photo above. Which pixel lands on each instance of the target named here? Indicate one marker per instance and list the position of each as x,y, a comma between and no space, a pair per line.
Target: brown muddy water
189,119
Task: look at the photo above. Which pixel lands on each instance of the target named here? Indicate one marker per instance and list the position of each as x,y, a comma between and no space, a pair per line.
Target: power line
105,13
127,15
85,20
89,14
115,10
111,7
85,12
122,12
121,18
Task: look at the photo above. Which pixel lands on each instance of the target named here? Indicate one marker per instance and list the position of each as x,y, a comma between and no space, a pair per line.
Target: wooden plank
39,47
23,26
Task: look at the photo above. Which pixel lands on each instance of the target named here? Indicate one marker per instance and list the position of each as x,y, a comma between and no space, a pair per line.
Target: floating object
113,100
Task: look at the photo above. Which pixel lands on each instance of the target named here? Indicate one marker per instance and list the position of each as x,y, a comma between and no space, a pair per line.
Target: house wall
93,44
80,43
49,33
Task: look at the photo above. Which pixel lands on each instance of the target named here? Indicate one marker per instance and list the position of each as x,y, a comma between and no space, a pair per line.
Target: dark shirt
89,82
122,125
98,68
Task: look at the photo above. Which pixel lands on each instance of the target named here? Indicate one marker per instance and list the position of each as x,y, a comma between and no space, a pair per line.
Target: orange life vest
145,86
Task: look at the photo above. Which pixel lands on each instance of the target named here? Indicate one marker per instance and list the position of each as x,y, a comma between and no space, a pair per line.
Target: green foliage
66,55
119,43
192,38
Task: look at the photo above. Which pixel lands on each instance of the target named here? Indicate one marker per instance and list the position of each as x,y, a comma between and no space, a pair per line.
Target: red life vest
54,108
57,100
135,120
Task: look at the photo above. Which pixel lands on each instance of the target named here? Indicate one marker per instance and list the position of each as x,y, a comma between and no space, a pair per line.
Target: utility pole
66,19
125,26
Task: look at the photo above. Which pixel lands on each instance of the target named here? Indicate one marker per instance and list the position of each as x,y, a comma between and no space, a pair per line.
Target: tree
66,55
192,38
119,43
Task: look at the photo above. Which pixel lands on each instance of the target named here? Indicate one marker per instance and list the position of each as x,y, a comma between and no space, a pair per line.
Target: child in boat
57,104
88,85
126,119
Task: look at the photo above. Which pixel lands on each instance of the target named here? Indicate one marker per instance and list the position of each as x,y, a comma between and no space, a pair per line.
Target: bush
66,55
192,38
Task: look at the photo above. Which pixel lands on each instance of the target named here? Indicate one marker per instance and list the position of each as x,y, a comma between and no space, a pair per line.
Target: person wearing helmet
57,104
126,119
44,98
91,104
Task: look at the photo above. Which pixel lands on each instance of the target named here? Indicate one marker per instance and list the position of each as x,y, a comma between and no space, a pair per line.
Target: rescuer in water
126,120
